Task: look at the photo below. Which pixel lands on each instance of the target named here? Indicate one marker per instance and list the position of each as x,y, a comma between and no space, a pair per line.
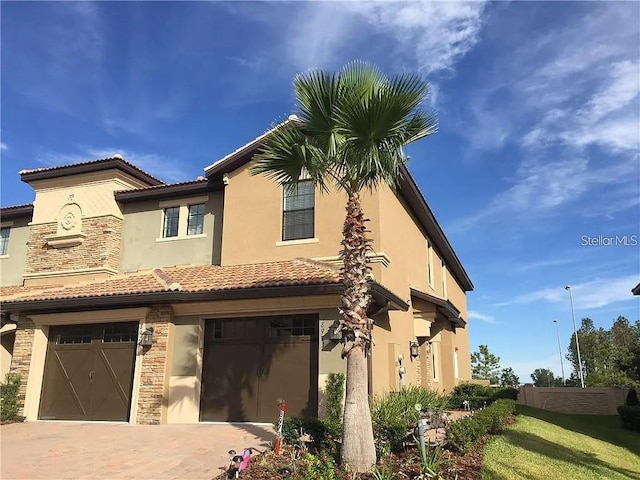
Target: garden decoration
238,463
282,406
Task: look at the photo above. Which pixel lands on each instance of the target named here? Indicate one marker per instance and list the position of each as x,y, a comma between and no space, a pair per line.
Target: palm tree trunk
358,448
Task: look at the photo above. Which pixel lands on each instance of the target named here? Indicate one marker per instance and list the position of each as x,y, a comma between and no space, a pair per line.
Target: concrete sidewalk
70,450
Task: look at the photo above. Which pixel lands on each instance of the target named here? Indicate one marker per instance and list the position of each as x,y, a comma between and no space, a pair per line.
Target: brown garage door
251,362
89,372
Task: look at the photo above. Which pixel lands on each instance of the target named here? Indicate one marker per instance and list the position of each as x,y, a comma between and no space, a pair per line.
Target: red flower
324,459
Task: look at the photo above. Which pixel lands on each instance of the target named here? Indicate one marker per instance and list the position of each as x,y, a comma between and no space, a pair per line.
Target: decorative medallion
68,221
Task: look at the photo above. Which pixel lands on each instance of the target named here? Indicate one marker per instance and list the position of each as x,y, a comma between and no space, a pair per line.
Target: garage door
89,372
249,363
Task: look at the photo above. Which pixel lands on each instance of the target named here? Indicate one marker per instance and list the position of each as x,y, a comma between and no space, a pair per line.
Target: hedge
466,432
630,415
9,397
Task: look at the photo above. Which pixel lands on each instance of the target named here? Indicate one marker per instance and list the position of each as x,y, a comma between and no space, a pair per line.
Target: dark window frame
4,240
165,225
289,193
197,216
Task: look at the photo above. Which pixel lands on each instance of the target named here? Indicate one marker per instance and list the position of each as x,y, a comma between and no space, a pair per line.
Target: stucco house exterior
128,299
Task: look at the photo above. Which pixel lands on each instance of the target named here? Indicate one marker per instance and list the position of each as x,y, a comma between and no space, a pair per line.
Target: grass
548,445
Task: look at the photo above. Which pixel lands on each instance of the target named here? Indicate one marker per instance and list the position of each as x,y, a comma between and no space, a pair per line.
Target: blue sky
538,103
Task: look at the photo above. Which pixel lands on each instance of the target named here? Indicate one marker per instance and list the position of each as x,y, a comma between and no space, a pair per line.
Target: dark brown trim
382,294
16,211
168,191
445,307
144,299
87,167
636,290
410,191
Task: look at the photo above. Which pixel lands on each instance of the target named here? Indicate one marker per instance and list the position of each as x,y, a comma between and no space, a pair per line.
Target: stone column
21,359
153,393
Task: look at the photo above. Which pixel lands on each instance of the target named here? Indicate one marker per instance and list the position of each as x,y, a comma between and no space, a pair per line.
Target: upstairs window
4,240
171,220
445,293
298,212
430,263
195,221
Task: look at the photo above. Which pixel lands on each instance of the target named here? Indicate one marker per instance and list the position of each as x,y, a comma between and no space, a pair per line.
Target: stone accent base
153,393
21,359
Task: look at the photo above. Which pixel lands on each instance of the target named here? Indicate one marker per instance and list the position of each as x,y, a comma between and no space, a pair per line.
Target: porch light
414,349
335,334
146,337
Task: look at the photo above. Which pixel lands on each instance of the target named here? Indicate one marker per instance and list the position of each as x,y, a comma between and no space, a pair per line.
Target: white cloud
435,34
473,315
4,146
524,368
170,170
573,89
587,295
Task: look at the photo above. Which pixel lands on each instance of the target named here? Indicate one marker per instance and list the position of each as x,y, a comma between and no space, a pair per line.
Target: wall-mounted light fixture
146,337
414,349
335,334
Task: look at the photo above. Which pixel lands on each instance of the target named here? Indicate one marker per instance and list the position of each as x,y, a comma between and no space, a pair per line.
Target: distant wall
581,401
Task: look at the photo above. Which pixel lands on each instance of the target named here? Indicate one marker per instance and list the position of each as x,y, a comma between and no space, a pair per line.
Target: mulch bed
458,466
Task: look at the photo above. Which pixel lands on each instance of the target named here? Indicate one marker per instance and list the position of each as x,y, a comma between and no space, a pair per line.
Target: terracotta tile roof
165,186
16,207
201,278
92,165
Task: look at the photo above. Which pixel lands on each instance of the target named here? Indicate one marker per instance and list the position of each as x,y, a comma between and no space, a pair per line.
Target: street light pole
575,331
560,350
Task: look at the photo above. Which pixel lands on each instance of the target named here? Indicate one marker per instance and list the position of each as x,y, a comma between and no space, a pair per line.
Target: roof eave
169,191
409,189
636,290
28,176
19,211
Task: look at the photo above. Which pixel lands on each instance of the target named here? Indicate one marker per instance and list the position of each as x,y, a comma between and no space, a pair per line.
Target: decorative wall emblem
68,221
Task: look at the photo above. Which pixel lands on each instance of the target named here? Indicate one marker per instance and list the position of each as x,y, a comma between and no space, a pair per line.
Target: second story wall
12,263
144,246
253,231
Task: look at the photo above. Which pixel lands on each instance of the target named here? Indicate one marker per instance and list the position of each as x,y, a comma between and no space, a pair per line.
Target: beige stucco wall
143,246
7,338
253,222
12,264
92,191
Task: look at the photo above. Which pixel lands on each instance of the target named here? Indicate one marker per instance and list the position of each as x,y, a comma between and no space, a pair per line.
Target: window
434,360
75,335
4,240
118,333
444,280
195,221
429,263
171,218
298,213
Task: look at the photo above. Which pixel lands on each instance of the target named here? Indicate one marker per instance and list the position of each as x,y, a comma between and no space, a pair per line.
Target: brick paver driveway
69,450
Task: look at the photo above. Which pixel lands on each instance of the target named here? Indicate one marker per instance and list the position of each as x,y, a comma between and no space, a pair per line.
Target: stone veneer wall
153,392
581,401
21,359
100,249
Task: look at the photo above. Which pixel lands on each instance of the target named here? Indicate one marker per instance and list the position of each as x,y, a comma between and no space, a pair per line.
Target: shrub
464,433
505,392
472,390
632,398
335,393
394,415
630,415
323,433
322,468
475,402
9,397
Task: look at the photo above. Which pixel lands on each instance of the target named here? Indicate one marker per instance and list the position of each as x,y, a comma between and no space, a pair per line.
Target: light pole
560,350
575,331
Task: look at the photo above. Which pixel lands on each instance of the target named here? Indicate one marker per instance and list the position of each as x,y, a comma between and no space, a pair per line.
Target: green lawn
549,446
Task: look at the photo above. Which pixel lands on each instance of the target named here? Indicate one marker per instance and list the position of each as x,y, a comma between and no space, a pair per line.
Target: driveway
70,450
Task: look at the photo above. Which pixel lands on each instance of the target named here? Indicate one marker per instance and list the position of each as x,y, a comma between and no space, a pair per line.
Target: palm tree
350,132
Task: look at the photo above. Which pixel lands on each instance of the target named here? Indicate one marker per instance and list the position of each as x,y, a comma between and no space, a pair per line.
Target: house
128,299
